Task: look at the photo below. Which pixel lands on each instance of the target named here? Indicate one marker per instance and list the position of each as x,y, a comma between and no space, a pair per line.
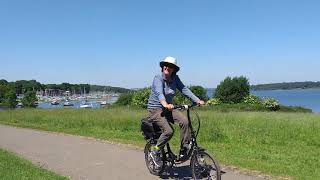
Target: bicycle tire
204,166
153,169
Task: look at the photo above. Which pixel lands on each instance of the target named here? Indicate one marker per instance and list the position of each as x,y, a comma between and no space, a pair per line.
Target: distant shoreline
283,89
270,89
278,89
287,86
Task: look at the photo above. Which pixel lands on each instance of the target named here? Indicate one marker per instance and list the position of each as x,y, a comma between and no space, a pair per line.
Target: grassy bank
241,107
15,168
280,144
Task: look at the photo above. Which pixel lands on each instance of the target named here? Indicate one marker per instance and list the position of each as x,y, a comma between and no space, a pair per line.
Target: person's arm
187,92
158,88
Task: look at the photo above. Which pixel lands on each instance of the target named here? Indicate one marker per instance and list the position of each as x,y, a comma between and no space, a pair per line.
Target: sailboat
103,103
55,102
85,103
67,103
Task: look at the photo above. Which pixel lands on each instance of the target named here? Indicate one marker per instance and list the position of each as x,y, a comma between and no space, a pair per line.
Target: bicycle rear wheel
152,167
205,166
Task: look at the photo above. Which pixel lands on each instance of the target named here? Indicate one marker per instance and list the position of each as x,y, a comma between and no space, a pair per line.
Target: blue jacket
165,90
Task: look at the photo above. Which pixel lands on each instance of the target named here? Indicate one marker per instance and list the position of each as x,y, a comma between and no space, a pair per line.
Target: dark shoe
183,154
155,156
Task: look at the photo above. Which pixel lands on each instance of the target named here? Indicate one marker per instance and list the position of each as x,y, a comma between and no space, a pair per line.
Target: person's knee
169,132
184,123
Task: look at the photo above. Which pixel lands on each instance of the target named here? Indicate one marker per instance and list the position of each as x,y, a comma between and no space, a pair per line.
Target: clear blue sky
120,43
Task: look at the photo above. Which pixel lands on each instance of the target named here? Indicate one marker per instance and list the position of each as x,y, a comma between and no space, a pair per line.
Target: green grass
275,143
241,107
15,168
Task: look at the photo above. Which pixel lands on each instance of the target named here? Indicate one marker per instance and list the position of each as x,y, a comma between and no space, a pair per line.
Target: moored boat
103,103
86,105
54,102
67,103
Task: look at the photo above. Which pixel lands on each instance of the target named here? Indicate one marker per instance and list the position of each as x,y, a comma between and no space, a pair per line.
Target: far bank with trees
287,85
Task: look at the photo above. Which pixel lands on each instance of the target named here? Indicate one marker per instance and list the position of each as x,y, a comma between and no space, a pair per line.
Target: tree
11,99
7,94
198,91
3,82
22,86
179,98
29,99
65,86
4,88
124,99
233,90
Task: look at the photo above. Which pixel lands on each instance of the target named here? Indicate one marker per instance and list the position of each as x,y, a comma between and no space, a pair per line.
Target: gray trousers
162,120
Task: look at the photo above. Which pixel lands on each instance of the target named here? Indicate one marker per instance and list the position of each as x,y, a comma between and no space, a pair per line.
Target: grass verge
275,143
15,168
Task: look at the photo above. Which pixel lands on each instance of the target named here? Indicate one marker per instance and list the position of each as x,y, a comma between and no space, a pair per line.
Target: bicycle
203,165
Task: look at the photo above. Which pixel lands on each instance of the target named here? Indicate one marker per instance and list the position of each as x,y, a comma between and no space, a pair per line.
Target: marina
93,100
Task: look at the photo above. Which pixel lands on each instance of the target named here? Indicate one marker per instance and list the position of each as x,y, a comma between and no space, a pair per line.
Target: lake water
76,104
309,98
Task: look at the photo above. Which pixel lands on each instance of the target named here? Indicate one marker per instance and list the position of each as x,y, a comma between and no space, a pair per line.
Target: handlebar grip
178,107
182,107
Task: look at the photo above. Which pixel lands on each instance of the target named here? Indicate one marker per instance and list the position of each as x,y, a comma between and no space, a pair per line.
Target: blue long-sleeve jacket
165,90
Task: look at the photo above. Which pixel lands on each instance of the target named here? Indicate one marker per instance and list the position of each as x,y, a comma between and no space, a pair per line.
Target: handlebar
179,107
186,107
183,107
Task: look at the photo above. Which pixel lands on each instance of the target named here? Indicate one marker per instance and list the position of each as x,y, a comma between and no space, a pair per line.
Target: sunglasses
170,66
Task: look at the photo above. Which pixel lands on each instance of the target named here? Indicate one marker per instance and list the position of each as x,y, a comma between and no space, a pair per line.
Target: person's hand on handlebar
166,105
169,107
200,103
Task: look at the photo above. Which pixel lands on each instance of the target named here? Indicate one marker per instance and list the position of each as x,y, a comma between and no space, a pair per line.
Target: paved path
82,158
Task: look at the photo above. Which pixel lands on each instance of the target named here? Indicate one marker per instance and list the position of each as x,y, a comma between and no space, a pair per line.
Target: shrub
271,104
140,97
124,99
8,96
179,98
233,90
11,99
213,102
252,99
29,99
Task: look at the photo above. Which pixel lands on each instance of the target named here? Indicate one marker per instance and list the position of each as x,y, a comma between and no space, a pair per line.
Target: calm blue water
76,104
309,98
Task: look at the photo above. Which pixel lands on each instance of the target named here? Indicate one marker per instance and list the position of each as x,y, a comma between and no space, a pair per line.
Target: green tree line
287,85
23,86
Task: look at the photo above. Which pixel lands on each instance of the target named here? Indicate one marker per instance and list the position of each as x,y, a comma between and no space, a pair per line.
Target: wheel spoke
152,167
205,167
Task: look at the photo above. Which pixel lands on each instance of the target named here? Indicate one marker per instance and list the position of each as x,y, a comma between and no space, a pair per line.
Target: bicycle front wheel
205,166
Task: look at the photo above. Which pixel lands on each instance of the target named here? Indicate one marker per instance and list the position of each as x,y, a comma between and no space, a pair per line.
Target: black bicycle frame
194,134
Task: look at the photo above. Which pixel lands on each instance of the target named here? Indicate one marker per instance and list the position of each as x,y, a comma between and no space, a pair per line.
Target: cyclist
162,92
